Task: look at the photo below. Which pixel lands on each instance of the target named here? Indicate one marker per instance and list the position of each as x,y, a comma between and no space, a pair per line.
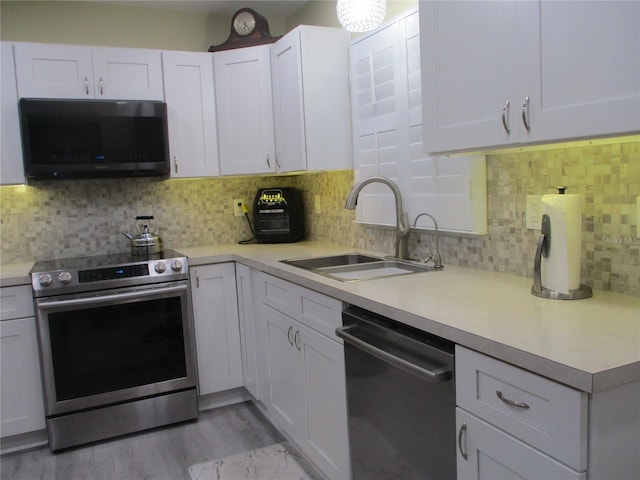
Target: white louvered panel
414,86
375,86
415,143
453,190
388,118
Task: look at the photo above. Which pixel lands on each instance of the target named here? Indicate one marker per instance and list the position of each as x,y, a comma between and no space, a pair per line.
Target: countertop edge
589,382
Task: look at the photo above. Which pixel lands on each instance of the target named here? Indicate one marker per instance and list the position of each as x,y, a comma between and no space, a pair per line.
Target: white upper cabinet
586,68
72,71
310,75
189,93
11,167
244,110
505,72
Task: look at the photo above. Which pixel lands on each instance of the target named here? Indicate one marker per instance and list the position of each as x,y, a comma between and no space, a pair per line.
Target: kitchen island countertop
592,344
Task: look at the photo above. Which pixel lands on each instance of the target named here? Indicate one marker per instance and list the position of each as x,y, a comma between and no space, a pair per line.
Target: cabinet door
127,74
54,71
469,73
189,93
486,453
21,389
286,396
326,440
215,309
11,167
248,332
580,67
244,110
288,109
312,118
378,139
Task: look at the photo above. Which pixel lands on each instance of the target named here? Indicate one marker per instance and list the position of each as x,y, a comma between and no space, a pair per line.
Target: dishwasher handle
439,375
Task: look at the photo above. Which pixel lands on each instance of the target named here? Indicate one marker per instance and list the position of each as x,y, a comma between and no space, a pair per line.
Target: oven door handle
49,304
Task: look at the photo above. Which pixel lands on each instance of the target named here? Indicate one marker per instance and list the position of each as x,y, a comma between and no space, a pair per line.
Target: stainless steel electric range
116,345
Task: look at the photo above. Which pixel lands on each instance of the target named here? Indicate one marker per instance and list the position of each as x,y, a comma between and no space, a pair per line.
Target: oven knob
160,267
64,277
45,279
176,266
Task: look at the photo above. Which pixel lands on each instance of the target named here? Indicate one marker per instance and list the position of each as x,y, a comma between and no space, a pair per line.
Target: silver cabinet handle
289,337
511,402
175,164
525,114
269,160
86,85
463,431
101,86
296,339
197,280
505,117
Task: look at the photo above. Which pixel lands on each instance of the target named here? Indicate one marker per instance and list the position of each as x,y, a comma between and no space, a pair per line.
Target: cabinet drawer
16,302
313,309
545,414
320,312
277,293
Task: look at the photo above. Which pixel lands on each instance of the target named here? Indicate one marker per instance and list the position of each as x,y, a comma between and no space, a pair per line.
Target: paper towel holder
542,250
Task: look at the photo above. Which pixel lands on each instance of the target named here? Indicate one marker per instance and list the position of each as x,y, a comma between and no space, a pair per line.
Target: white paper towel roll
561,268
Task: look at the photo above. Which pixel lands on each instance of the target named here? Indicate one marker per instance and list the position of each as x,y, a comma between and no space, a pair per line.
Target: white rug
274,462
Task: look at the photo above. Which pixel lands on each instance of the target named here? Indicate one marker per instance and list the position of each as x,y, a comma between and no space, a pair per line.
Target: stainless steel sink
332,261
355,267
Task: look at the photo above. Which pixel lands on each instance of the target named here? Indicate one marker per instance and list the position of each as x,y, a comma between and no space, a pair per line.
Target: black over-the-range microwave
93,138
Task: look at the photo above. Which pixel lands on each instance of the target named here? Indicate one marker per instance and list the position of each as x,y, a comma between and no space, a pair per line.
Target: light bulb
361,15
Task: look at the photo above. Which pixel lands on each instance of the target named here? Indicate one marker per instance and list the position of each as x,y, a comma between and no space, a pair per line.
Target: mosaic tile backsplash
73,218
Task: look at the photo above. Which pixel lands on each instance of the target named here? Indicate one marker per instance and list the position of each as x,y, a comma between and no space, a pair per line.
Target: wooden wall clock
248,28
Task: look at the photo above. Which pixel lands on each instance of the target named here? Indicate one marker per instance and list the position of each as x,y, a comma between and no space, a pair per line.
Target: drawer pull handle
289,336
511,402
463,431
296,339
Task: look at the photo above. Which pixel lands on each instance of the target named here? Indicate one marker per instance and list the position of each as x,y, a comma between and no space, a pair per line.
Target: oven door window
113,347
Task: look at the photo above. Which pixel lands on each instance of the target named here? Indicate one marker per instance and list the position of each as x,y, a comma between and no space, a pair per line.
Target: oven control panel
78,279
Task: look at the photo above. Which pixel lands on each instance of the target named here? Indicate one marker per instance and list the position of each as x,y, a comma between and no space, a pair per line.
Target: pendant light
361,15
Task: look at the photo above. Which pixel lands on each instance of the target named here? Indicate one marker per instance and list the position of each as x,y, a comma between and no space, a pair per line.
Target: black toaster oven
278,215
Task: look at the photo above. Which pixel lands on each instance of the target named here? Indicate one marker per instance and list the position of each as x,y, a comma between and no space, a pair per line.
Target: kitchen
92,213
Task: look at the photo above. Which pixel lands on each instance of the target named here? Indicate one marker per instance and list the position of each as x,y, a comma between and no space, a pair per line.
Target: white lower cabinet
215,310
247,318
512,423
304,381
486,452
21,389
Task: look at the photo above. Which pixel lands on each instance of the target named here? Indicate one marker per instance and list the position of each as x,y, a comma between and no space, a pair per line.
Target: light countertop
591,344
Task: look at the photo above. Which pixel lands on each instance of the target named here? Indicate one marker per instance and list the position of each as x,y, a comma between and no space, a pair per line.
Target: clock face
244,23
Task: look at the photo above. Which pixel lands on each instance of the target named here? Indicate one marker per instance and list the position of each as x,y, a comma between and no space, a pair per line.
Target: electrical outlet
237,207
533,212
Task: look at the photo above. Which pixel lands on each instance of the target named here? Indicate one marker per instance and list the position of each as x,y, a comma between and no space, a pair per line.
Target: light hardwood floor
160,454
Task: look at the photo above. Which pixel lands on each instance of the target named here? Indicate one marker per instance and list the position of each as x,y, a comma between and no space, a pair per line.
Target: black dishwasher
401,400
